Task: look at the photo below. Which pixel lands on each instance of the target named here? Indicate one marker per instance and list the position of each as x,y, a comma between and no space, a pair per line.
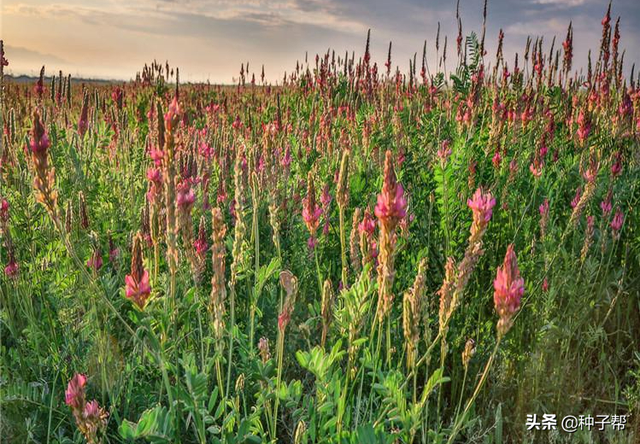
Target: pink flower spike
576,198
4,210
39,142
92,409
391,206
445,151
172,116
95,261
185,195
138,292
74,395
544,208
311,216
508,290
368,224
618,220
11,270
482,205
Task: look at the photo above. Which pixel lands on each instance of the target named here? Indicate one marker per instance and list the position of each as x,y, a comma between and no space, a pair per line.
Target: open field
358,254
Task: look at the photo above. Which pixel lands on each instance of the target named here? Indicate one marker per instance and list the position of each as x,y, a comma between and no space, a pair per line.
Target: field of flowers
358,254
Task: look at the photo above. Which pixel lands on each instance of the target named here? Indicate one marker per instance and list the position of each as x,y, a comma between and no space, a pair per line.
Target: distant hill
31,79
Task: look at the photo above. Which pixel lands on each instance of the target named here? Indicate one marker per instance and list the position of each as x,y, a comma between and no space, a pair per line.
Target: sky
209,39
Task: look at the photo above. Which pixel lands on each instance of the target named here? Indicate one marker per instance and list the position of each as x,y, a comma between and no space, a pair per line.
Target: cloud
562,3
16,54
267,14
212,37
543,27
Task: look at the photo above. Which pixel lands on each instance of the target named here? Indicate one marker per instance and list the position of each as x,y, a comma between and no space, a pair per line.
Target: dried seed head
68,217
218,284
412,312
240,383
354,241
446,294
469,351
326,309
311,211
342,194
290,284
301,430
263,347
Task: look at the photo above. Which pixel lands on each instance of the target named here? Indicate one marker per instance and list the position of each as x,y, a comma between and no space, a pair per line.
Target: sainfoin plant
355,254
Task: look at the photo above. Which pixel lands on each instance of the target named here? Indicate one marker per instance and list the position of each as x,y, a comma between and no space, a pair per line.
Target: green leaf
127,430
212,399
498,432
435,379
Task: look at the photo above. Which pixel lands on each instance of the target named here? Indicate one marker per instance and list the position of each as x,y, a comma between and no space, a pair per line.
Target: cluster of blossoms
91,419
444,152
95,260
185,199
154,176
391,205
368,244
508,290
482,205
584,127
200,244
311,211
137,286
616,223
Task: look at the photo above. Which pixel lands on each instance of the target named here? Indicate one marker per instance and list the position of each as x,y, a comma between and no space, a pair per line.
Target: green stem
343,248
375,364
343,397
219,377
232,323
280,352
156,260
388,341
460,421
443,356
464,380
201,335
319,274
256,239
445,199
